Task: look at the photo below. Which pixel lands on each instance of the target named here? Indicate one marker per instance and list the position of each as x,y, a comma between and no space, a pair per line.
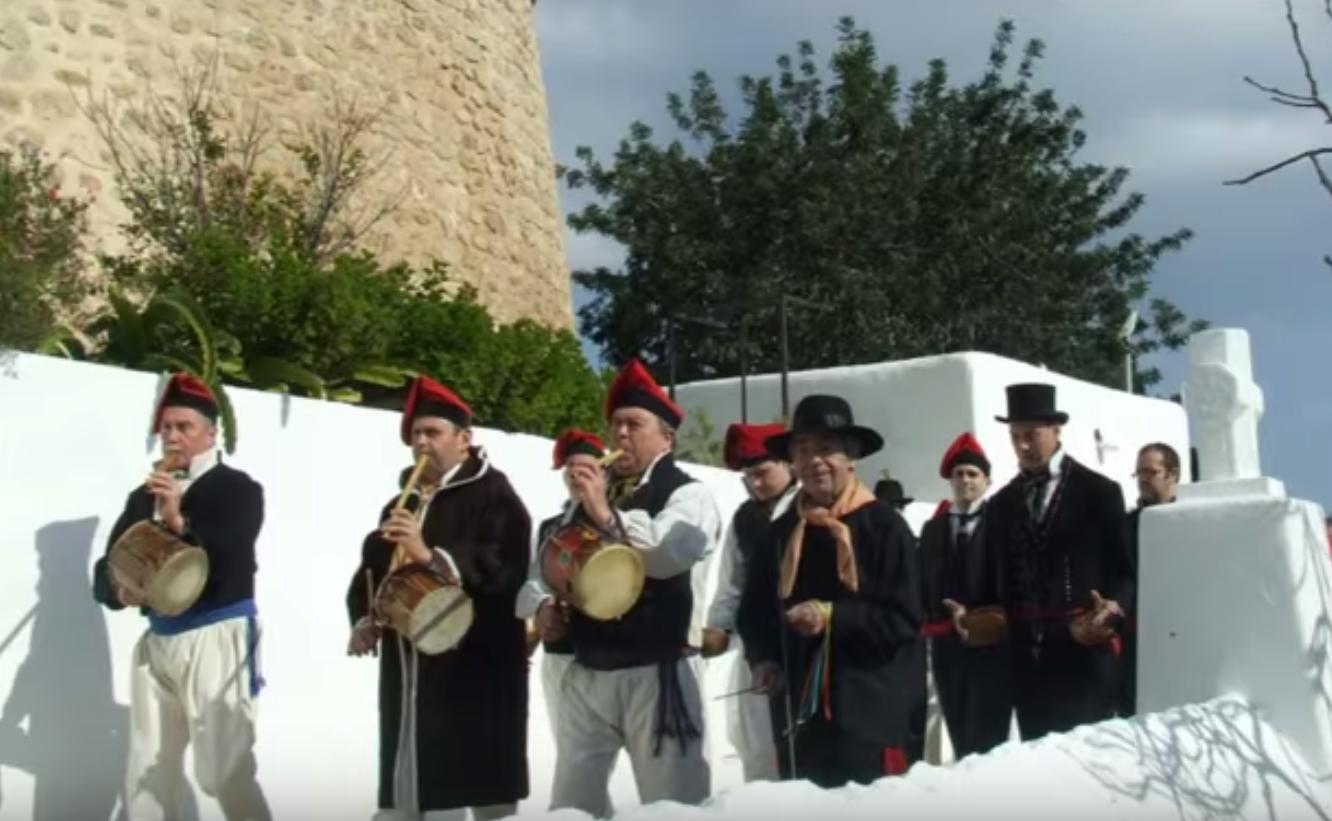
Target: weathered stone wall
459,82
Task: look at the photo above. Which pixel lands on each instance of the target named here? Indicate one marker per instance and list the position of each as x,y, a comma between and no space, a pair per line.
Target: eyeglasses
1149,473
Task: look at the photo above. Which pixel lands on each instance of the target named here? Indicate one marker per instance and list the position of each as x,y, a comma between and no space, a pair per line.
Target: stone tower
459,82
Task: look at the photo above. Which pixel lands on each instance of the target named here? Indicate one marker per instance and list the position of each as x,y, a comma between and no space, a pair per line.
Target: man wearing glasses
1157,473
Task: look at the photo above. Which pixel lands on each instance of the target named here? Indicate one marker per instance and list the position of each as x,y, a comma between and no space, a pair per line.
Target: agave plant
169,332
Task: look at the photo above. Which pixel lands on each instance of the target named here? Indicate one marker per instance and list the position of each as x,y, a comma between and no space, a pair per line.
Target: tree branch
1314,93
1304,155
1322,175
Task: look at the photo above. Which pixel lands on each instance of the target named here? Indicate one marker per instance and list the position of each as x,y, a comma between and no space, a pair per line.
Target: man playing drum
185,688
634,683
460,738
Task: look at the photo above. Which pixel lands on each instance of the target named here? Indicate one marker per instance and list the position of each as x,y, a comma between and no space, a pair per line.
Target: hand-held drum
163,571
424,608
603,579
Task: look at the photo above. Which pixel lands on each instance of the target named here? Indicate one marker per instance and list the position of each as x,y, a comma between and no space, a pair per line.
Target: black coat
471,732
224,511
878,655
1051,568
974,683
1128,687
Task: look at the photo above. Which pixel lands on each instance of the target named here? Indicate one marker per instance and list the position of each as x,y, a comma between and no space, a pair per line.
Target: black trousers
975,687
1064,685
828,756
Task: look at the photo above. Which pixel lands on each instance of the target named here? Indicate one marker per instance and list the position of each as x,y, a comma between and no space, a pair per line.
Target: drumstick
407,489
755,689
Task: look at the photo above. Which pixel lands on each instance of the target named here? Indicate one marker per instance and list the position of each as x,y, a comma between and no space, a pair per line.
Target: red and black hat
634,387
185,390
573,442
429,398
965,450
746,444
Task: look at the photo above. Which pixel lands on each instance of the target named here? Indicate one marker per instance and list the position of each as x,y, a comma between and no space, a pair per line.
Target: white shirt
955,522
679,539
731,578
1056,467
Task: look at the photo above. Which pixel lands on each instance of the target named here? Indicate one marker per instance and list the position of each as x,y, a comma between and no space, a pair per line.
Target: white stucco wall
73,442
921,405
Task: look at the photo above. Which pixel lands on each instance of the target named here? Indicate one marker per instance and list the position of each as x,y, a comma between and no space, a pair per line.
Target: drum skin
602,579
163,571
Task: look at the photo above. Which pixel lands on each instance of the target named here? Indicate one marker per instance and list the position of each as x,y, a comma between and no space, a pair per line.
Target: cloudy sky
1161,84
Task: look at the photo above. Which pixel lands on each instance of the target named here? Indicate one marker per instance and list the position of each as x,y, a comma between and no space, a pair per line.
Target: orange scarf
854,496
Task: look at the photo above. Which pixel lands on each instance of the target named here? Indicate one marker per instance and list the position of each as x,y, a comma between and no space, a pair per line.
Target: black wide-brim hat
892,492
1032,402
824,414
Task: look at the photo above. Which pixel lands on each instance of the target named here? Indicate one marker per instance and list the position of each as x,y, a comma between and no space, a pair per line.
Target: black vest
753,526
656,628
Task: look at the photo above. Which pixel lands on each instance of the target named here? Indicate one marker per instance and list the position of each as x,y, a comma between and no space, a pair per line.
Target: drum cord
672,717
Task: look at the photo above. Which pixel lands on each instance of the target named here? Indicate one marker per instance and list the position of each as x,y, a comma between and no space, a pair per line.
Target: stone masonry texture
457,83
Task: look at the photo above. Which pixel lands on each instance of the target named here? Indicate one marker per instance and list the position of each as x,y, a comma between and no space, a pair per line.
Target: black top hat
890,491
824,414
1032,402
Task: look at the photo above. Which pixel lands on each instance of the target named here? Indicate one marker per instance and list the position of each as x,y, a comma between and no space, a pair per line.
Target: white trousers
749,724
193,689
938,747
604,711
553,668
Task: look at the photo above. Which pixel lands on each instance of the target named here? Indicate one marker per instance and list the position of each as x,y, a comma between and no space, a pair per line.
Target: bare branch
1304,155
1314,92
1322,175
1280,95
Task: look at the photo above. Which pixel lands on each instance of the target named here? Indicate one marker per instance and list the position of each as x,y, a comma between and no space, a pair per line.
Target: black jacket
878,655
224,511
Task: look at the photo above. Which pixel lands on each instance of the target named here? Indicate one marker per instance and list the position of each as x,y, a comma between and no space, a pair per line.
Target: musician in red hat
184,687
574,447
459,737
960,571
771,487
635,682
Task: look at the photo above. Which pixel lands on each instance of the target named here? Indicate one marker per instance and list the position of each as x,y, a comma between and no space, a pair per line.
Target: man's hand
1104,610
402,528
767,677
161,485
1097,625
588,482
552,620
806,618
364,637
958,612
715,642
126,596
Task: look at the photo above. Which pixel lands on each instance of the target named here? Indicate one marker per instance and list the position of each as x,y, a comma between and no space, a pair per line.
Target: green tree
922,220
41,241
